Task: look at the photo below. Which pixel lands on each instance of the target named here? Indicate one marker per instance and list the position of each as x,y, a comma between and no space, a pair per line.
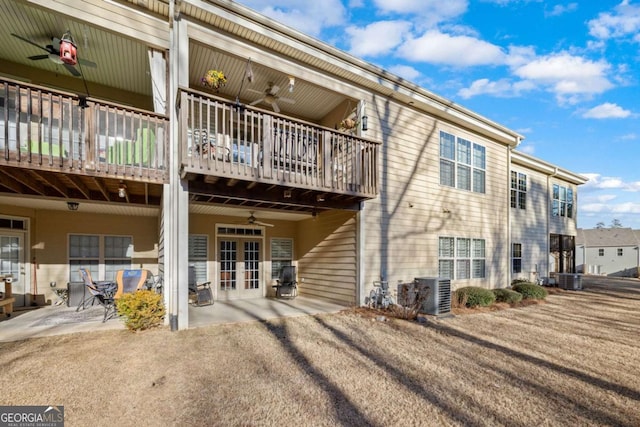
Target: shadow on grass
345,410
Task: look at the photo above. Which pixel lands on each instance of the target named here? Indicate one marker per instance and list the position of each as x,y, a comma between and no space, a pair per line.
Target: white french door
13,262
240,268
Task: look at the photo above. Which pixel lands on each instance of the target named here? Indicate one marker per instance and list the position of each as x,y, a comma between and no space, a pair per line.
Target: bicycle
380,296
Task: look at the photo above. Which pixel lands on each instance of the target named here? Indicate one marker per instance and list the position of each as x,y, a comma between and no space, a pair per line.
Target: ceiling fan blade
257,101
29,41
287,100
37,57
72,70
87,63
256,91
275,107
266,224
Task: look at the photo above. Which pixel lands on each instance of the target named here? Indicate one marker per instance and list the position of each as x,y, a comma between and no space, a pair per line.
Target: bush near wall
530,290
507,295
141,310
473,296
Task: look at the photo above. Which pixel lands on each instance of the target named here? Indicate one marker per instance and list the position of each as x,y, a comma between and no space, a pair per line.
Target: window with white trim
518,190
516,258
462,163
101,255
281,255
198,256
461,258
601,252
562,201
620,251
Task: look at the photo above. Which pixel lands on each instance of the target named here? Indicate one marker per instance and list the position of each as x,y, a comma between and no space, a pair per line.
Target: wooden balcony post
327,163
267,144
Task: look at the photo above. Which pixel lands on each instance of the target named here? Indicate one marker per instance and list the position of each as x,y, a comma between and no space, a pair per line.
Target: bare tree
600,225
616,223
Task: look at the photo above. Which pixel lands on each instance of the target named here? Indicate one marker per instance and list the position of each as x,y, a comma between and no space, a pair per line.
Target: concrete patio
60,320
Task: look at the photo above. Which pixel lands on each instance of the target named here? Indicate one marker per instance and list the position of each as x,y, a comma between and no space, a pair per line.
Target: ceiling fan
53,53
269,96
252,220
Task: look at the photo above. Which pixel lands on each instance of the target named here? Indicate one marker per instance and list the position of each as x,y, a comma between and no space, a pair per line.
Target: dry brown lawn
572,361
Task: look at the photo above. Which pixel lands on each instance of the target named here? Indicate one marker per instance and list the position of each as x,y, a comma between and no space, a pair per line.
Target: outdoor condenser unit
569,281
439,299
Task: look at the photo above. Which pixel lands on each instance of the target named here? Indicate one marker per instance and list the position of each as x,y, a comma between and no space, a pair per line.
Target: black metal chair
103,292
287,285
199,293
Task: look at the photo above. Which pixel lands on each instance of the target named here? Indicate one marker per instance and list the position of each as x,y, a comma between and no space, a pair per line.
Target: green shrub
507,295
518,281
530,290
474,296
141,310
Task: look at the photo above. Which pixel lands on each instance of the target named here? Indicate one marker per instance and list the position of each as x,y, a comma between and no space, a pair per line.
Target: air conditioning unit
569,281
438,300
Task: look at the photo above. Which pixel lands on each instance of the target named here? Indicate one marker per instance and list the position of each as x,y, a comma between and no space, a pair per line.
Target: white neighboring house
543,218
608,251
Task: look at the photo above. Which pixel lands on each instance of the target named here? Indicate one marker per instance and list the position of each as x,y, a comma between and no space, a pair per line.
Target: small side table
63,296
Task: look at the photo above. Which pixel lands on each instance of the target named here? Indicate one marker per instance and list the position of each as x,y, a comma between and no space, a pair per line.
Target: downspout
170,226
509,227
549,191
360,222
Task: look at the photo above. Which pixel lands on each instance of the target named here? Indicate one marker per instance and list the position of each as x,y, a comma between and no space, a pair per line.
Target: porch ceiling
122,63
43,203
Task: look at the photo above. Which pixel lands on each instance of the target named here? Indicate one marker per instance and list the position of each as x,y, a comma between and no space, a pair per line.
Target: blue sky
565,74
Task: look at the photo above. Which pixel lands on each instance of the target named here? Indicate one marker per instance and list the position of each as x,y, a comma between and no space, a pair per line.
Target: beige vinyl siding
529,226
326,251
413,210
50,229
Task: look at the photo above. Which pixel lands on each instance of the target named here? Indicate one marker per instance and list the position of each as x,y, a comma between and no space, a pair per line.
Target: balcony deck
56,144
230,144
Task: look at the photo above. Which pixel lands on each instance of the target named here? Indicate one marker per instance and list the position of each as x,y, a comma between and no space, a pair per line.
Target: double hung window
101,255
461,258
462,163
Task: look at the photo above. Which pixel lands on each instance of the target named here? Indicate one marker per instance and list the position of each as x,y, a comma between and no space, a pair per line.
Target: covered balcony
56,144
231,150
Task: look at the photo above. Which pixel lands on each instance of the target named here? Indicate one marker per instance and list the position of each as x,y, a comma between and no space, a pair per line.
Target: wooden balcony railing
221,139
57,131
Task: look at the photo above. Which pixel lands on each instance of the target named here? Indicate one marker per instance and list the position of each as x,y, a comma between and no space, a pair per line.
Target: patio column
175,195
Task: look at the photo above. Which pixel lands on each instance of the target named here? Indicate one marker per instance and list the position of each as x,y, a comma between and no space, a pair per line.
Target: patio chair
103,292
131,280
199,293
287,285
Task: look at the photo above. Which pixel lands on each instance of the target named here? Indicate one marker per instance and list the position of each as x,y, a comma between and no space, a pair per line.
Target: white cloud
308,17
620,208
570,77
406,72
439,48
622,22
503,88
607,111
527,148
599,182
430,12
377,38
561,9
